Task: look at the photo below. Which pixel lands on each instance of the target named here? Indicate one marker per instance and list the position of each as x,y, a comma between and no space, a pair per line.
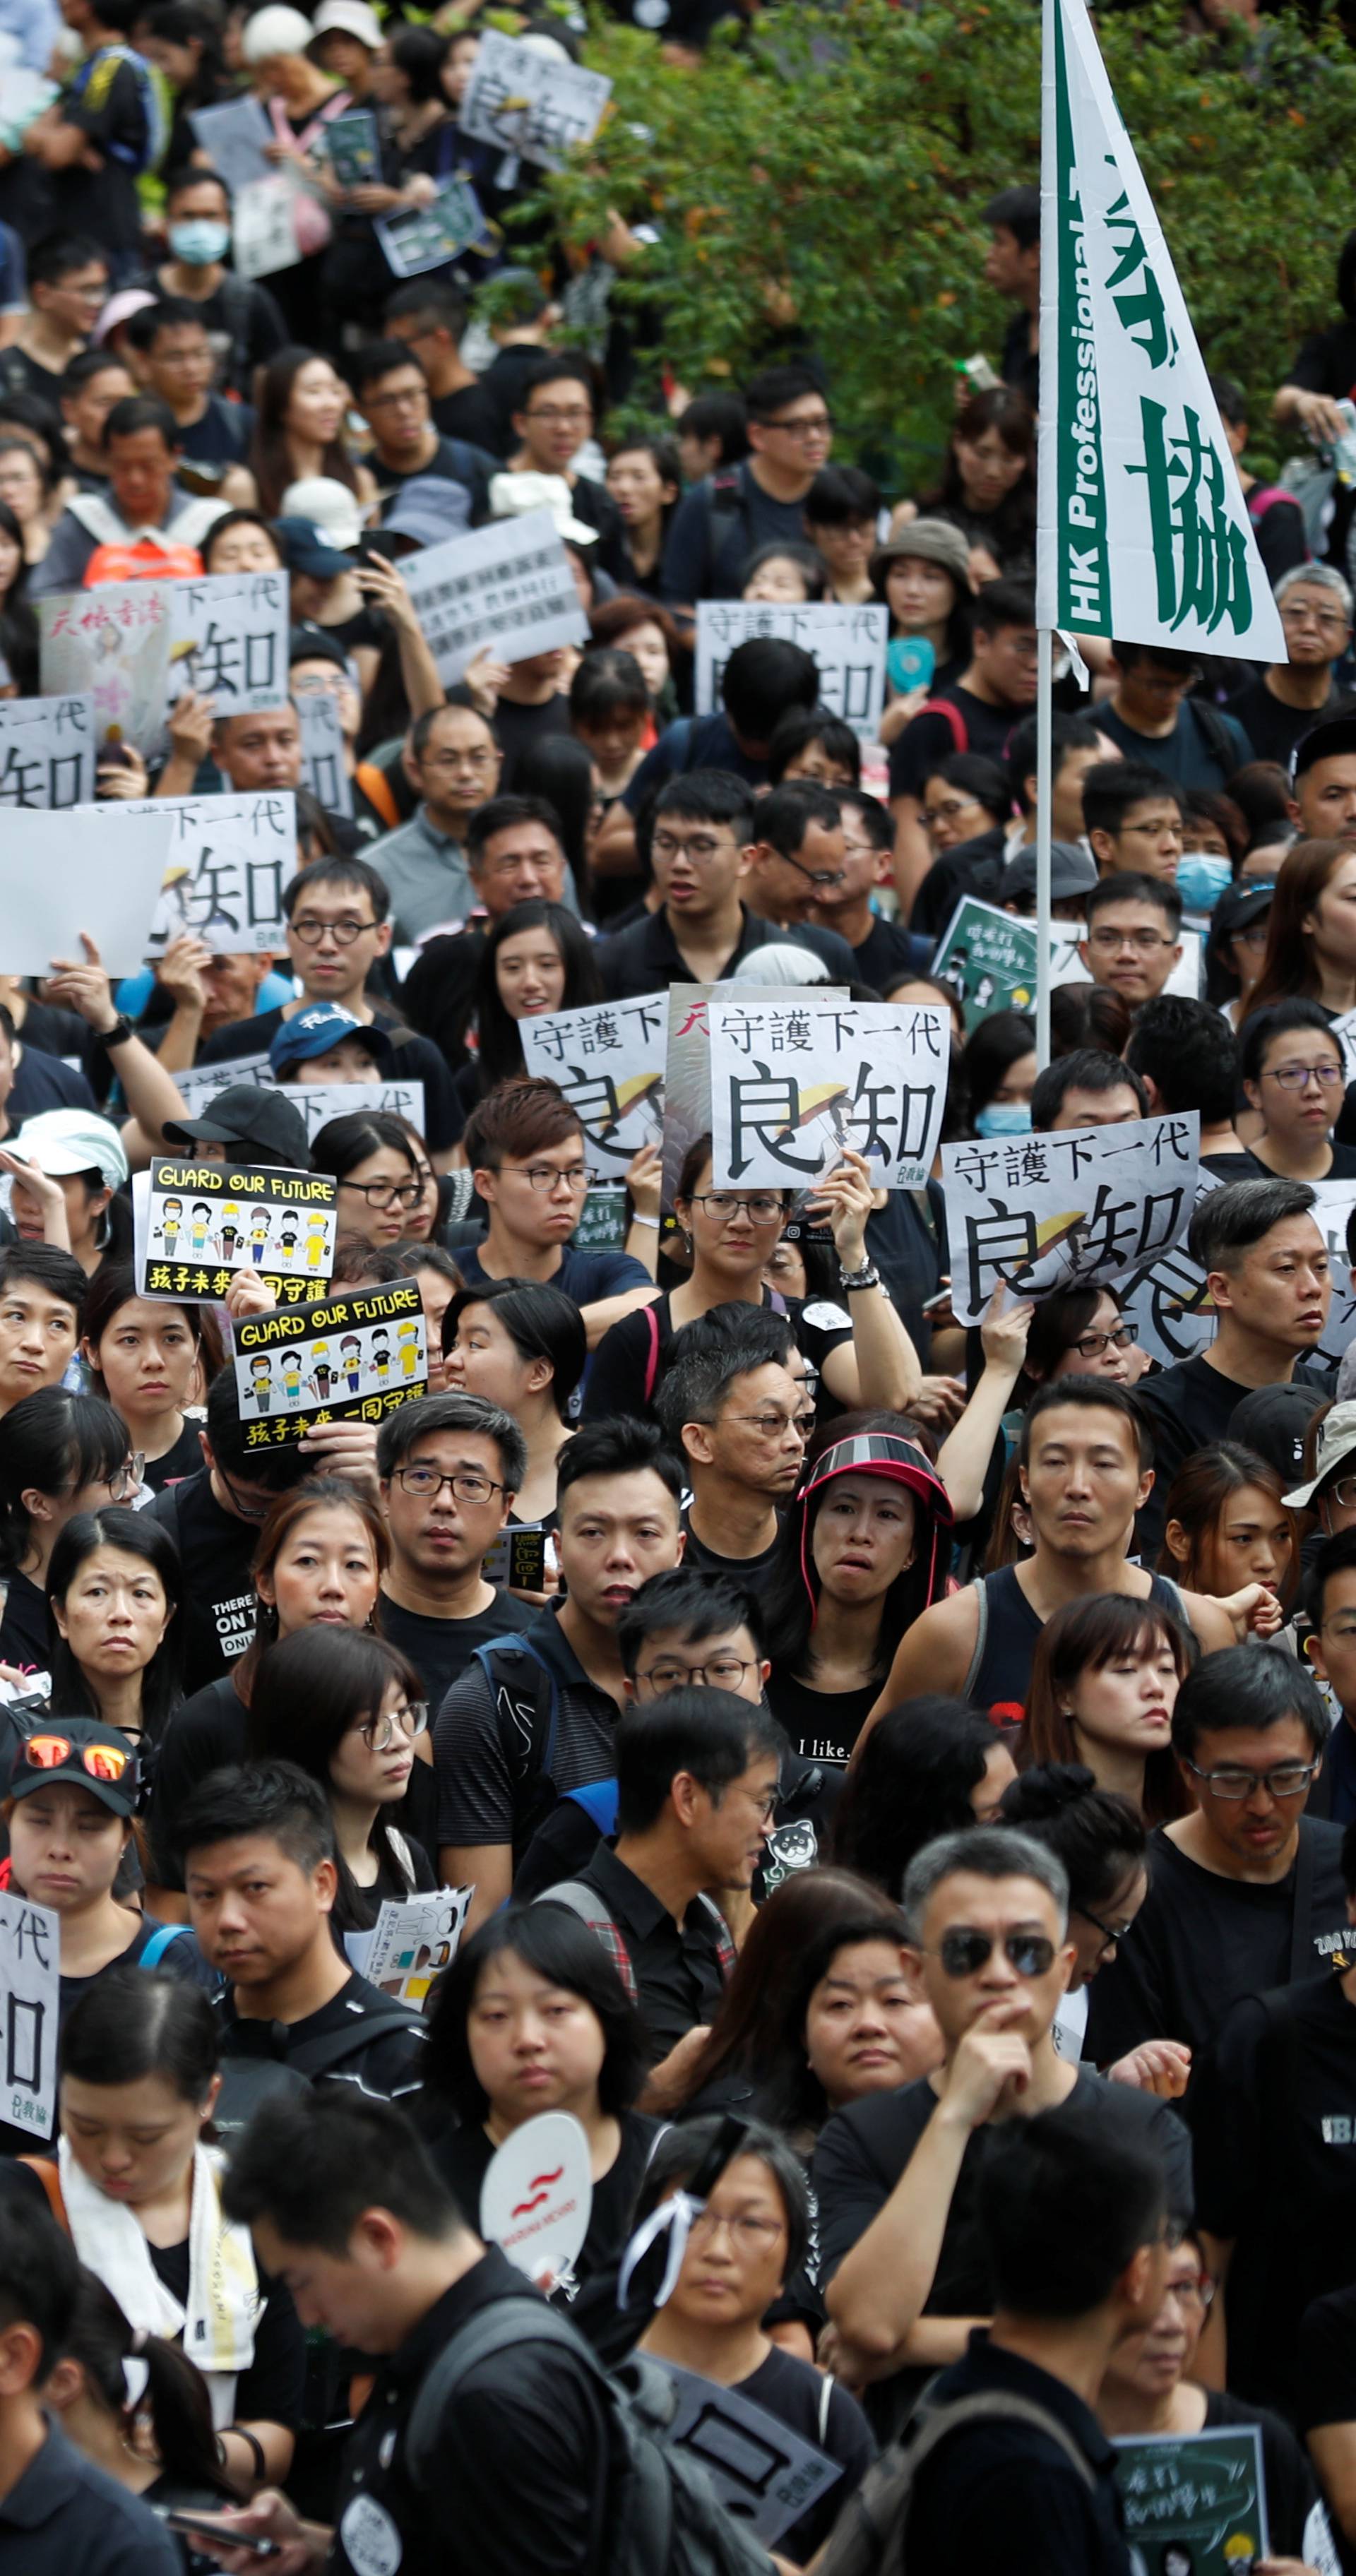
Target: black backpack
870,2537
662,2518
248,2081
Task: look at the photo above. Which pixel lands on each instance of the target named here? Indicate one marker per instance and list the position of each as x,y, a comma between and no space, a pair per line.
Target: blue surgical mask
199,242
1004,1118
1201,880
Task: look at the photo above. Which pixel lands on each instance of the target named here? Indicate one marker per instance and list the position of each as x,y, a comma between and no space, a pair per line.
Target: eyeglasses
476,761
546,1176
559,415
1092,1345
724,1672
700,847
409,398
466,1483
1112,1933
952,810
311,931
246,1511
126,1478
1195,2293
1255,936
1288,1780
101,1761
963,1953
814,876
1145,941
770,1426
1343,1493
1297,1077
748,2235
1331,619
317,684
819,426
722,1205
385,1194
379,1732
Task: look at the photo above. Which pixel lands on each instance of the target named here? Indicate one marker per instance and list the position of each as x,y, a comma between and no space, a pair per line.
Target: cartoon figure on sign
287,1236
228,1232
290,1366
381,1356
322,1371
199,1228
790,1846
407,1353
351,1362
171,1223
317,1242
259,1220
261,1381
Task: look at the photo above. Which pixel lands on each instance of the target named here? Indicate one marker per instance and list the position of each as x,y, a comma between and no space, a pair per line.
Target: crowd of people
908,1820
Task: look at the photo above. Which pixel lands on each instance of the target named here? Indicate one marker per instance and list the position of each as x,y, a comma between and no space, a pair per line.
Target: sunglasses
101,1761
963,1954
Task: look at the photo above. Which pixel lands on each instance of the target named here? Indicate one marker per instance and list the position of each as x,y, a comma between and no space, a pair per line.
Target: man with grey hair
896,2174
1291,697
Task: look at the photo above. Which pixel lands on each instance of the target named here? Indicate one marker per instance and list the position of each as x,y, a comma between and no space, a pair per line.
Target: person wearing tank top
1086,1464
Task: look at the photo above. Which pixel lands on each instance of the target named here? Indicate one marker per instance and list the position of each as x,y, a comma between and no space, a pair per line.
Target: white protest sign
1168,1304
798,1082
529,103
315,1102
323,768
848,645
229,859
509,586
30,1989
113,642
264,229
228,640
1063,1211
1067,967
765,2475
537,2196
96,868
196,1224
1344,1030
233,137
608,1059
429,236
411,1943
1334,1202
687,1063
47,751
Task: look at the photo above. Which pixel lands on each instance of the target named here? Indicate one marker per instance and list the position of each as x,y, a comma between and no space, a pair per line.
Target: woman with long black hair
62,1454
536,959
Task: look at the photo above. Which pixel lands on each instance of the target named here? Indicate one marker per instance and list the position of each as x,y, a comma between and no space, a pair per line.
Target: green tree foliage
829,170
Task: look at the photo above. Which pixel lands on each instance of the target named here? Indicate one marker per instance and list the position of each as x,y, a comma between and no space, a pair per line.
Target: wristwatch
120,1032
867,1277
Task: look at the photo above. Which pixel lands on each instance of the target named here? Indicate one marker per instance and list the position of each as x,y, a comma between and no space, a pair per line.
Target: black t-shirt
1187,755
1189,1407
452,461
1006,2495
517,729
1275,2149
755,1571
269,2392
23,1629
1200,1942
705,562
793,2390
886,954
862,2151
629,1361
183,1459
822,1725
930,739
389,2066
415,1058
206,1734
463,2156
222,436
107,101
469,414
217,1605
440,1649
1274,729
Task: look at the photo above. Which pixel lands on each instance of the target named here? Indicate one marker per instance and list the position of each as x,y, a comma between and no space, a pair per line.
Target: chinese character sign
113,645
47,751
1143,530
525,102
1197,2500
608,1059
196,1224
990,958
1065,1211
1334,1204
798,1082
30,1985
848,645
96,868
323,768
509,586
229,859
352,1358
228,640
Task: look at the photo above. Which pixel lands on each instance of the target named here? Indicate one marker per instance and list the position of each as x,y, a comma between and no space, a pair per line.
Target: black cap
1273,1420
82,1753
1244,901
312,643
249,1120
1324,742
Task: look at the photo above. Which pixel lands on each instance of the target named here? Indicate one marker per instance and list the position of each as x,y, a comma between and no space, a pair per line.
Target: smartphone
211,2526
933,1305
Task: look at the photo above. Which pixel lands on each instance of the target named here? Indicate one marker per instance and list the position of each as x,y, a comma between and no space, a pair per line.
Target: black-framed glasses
1092,1345
545,1176
720,1205
245,1510
770,1426
1286,1780
379,1733
814,876
821,426
963,1953
385,1194
306,927
723,1672
701,847
1297,1077
1112,1933
467,1484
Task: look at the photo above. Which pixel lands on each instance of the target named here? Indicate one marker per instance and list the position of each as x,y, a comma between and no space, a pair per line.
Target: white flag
1143,530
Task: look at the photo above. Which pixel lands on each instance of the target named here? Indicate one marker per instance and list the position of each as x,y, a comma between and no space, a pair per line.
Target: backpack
662,2518
871,2534
248,2081
945,707
537,1725
728,510
585,1901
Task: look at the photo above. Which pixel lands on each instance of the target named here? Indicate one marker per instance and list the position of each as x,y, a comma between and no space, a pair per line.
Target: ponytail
175,2394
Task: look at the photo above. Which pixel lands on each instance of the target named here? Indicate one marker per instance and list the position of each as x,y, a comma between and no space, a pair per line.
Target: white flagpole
1045,652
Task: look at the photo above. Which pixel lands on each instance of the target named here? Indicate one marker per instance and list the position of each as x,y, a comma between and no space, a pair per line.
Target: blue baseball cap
315,1031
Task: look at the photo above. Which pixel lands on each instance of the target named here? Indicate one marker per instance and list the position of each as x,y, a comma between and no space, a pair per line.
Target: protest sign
848,645
353,148
411,1943
602,1227
228,640
1334,1205
113,643
765,2475
1344,1030
323,768
229,859
47,751
233,137
351,1358
96,868
990,958
196,1224
608,1059
264,228
508,585
687,1064
1198,2501
1067,967
1063,1211
429,236
798,1082
316,1102
533,104
537,2196
30,1986
516,1560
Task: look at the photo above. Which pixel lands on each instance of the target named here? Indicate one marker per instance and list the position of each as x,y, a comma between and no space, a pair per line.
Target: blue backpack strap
159,1943
598,1798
